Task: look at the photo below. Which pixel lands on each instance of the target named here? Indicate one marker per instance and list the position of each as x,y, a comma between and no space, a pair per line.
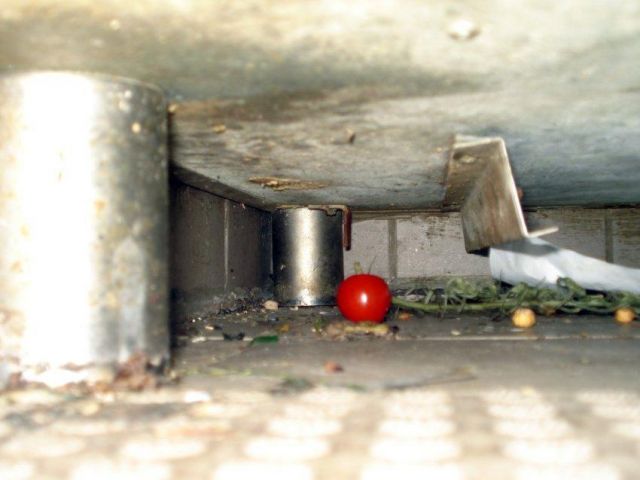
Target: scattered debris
219,128
280,184
523,318
333,330
270,305
463,29
333,367
625,315
376,329
135,374
284,328
198,339
456,333
341,329
351,136
265,339
404,316
319,325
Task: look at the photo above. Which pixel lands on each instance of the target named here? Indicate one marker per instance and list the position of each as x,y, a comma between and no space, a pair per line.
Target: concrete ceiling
355,102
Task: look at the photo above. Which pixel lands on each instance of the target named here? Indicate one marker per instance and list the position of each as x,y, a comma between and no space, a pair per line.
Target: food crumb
625,315
333,367
270,305
523,318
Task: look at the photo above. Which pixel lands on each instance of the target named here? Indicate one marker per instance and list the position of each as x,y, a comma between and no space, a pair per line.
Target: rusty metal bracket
480,184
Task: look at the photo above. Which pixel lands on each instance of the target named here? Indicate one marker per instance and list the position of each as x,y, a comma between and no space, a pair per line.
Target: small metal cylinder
307,256
83,220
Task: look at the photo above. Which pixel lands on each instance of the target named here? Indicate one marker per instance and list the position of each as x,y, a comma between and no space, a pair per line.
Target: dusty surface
197,49
457,397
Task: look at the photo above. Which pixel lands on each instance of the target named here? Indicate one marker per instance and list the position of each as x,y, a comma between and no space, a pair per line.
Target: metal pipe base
83,214
307,256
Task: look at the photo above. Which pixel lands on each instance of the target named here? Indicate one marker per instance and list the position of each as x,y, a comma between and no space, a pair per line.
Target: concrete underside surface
453,397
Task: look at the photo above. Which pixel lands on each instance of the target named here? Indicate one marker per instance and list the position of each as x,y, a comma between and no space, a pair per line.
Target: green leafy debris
265,339
460,295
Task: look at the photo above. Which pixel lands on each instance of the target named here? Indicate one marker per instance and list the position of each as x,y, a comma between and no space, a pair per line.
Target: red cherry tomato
364,298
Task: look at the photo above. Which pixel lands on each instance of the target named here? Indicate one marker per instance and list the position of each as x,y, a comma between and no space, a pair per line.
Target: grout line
392,231
227,215
608,236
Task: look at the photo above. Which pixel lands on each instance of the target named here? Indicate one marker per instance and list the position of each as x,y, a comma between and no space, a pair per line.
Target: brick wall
410,246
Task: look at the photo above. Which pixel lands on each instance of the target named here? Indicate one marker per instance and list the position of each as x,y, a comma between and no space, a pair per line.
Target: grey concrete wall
410,246
217,247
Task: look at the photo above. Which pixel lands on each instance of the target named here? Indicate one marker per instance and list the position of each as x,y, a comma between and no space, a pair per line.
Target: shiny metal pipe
307,256
83,225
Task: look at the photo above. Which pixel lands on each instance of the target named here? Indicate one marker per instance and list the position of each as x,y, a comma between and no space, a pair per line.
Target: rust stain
24,231
279,184
16,267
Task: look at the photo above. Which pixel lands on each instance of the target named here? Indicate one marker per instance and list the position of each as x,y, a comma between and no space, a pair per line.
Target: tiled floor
559,402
